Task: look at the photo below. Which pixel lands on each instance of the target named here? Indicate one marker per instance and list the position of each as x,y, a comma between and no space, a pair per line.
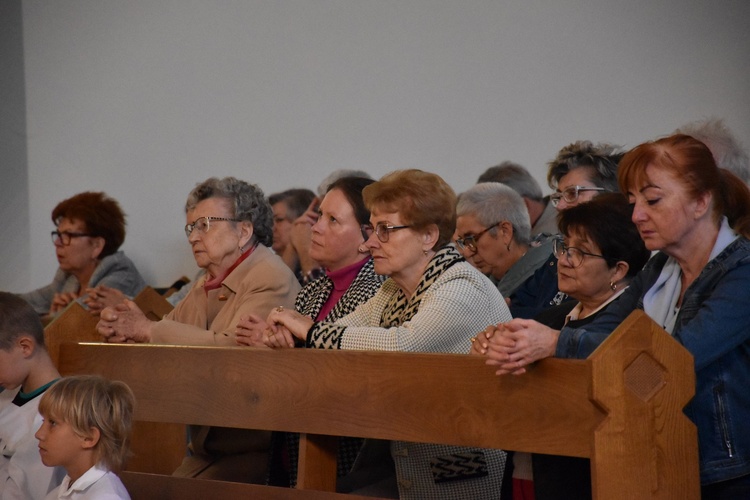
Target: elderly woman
494,234
432,302
580,172
229,230
598,255
90,231
338,239
695,216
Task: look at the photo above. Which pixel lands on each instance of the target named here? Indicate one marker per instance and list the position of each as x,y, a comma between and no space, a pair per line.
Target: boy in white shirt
26,372
86,430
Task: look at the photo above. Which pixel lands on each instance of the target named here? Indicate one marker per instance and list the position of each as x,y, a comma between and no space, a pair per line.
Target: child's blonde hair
87,401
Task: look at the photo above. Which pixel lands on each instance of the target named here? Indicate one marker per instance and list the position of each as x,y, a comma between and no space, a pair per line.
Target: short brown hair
87,401
101,214
421,198
17,318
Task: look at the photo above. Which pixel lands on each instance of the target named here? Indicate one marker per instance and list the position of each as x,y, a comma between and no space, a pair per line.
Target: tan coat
260,283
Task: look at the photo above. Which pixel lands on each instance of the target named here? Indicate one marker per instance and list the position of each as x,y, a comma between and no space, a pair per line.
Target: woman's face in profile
217,248
337,235
81,252
663,211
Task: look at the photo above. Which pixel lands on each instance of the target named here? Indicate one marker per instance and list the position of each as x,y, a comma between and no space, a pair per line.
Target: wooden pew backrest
622,407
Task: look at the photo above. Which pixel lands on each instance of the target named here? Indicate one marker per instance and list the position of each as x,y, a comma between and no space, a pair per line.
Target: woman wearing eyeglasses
337,243
90,231
494,234
580,172
697,217
597,256
229,228
432,302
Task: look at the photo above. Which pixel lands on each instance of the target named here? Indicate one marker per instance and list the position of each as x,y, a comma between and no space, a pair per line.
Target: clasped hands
124,322
514,345
280,329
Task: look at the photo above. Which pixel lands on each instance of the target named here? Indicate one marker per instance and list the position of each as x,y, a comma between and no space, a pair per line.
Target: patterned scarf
401,309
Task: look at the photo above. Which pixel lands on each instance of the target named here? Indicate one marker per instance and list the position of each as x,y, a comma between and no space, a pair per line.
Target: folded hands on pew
515,345
251,330
124,322
99,297
284,325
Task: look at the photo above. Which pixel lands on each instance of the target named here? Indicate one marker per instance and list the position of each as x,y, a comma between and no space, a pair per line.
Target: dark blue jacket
538,292
714,325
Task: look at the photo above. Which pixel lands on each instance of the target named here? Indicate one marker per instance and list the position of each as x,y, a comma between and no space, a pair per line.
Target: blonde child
86,430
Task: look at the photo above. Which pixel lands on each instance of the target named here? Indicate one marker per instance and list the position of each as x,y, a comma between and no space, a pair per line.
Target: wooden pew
157,446
622,407
74,324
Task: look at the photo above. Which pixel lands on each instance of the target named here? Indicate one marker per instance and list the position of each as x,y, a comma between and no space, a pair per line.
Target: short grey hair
336,175
516,176
727,151
493,202
247,200
600,159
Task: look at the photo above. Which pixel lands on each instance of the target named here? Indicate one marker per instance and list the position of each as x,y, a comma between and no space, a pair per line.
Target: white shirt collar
575,314
87,479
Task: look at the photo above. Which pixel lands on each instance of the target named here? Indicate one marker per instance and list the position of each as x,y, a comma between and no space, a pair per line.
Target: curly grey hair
493,202
601,159
248,203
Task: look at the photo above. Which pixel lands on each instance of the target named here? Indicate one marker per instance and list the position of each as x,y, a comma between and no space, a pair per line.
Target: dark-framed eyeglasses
570,194
470,242
64,237
574,255
203,224
383,230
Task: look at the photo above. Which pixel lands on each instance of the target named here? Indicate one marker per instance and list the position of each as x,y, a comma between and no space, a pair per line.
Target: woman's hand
287,324
480,342
124,323
518,343
102,296
250,331
60,301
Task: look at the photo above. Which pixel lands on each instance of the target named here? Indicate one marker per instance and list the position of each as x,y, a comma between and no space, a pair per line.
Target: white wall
144,98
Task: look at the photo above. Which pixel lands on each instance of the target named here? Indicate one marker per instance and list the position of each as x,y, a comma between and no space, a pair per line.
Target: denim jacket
714,325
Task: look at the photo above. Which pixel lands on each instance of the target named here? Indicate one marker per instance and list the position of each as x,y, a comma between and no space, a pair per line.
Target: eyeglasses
470,242
570,194
383,230
574,255
203,224
65,236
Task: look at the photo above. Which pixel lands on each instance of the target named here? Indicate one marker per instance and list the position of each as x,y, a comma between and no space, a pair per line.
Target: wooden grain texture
153,305
646,446
622,407
74,324
156,487
450,399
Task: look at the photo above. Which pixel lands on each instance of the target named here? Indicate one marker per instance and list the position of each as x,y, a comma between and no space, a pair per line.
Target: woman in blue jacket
697,216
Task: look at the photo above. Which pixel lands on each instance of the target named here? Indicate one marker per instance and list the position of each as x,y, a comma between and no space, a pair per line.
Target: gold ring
473,339
280,309
271,334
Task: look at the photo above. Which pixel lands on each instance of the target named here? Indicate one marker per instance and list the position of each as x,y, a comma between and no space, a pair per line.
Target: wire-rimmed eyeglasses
570,194
203,224
64,237
469,242
574,255
382,230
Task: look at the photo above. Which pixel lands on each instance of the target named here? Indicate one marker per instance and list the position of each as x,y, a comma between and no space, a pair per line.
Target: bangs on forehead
632,175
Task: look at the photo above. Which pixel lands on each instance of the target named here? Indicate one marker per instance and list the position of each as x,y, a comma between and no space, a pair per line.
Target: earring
363,249
613,285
